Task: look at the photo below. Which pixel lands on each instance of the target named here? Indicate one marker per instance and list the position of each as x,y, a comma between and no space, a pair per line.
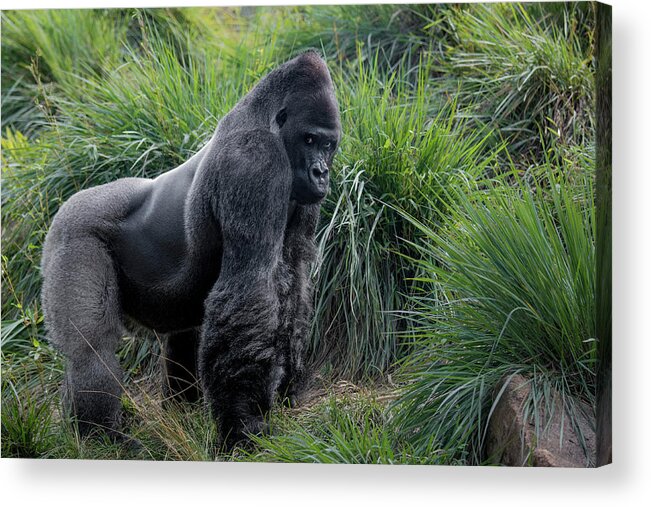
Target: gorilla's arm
296,303
240,365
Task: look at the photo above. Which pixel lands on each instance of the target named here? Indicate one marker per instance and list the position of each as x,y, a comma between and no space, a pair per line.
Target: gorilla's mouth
311,190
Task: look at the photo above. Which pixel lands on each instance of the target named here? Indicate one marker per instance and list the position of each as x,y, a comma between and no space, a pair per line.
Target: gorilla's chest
175,304
163,286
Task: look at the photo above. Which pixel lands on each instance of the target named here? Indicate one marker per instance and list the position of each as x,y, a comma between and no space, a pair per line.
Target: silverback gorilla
214,255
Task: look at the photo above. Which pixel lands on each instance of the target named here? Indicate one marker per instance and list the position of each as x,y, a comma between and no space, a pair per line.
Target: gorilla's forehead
318,109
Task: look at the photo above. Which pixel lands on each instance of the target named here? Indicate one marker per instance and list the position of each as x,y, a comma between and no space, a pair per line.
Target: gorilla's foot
241,435
290,401
133,447
256,426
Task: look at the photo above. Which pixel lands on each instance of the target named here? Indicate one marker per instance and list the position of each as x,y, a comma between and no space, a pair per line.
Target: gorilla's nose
319,171
319,176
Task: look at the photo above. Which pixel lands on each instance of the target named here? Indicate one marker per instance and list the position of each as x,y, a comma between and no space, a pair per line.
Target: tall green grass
526,69
361,32
516,264
399,137
41,49
44,51
31,373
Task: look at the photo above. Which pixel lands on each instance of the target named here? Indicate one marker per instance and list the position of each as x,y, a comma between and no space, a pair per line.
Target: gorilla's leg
180,360
80,300
296,301
240,363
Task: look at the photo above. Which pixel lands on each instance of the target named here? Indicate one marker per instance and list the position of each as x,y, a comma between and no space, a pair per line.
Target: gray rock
512,441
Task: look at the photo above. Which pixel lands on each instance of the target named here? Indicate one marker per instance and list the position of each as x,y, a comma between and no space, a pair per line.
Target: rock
512,441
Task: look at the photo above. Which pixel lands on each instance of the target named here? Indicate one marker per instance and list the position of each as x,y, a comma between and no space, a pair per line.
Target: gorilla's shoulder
254,146
248,139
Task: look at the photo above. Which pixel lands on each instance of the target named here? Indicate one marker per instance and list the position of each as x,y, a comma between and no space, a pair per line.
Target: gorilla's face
310,129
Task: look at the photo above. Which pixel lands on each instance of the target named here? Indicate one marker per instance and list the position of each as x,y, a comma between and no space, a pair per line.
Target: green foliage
517,266
360,32
47,50
41,48
394,145
30,376
26,425
65,53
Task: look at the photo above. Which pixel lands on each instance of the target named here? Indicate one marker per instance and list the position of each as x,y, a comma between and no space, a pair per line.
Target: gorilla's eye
309,139
327,145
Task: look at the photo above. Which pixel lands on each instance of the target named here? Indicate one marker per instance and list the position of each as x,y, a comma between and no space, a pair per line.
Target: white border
626,482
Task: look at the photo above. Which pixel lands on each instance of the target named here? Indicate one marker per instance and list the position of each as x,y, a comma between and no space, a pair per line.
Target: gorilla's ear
281,118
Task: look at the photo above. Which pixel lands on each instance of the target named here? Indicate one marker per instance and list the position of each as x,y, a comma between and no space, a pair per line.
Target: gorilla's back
96,212
141,222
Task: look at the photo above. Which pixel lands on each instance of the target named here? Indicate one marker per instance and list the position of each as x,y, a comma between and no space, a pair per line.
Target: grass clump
47,51
47,48
517,267
31,373
352,428
27,427
354,33
398,139
525,69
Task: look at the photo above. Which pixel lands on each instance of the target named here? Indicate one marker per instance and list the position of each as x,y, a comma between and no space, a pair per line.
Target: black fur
213,254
